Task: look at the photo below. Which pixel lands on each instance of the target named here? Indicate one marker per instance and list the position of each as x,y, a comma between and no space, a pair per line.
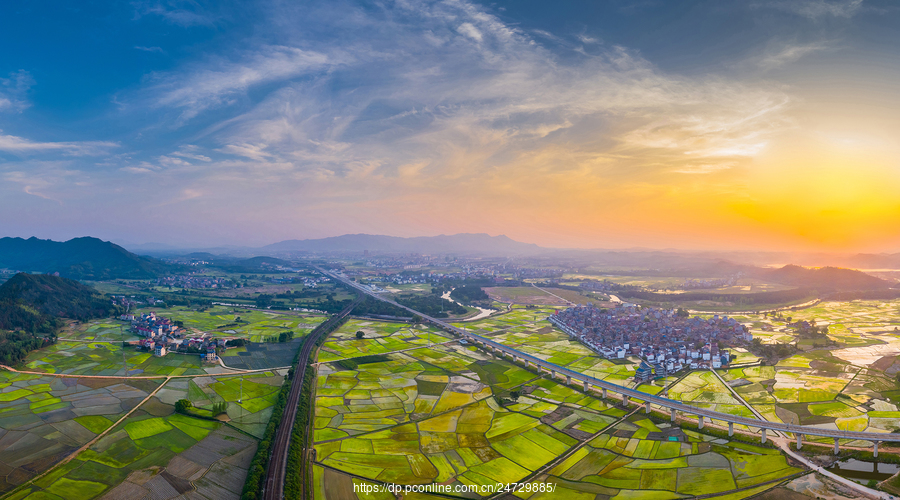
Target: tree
183,406
360,334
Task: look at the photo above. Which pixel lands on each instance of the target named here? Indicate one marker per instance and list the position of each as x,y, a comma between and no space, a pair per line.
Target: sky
738,125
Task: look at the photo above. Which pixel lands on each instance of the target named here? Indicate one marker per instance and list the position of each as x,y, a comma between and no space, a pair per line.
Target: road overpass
592,384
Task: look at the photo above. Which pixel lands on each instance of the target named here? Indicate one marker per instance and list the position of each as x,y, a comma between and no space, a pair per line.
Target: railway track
275,472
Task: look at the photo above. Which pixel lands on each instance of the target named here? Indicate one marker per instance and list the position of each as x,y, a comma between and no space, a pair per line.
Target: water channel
863,472
483,313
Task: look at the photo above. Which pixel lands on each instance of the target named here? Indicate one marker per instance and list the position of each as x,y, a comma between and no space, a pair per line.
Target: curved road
591,382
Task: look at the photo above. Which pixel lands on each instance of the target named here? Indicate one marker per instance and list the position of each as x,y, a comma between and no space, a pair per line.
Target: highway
591,383
275,472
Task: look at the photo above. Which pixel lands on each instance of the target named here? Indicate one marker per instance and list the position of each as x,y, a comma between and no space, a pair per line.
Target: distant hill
465,243
79,258
824,278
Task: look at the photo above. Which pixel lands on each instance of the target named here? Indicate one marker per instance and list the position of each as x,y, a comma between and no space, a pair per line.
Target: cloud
19,145
704,168
219,82
42,179
184,13
150,49
13,91
191,152
470,31
788,54
398,111
817,9
450,88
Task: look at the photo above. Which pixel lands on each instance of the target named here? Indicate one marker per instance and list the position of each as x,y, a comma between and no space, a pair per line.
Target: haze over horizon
696,125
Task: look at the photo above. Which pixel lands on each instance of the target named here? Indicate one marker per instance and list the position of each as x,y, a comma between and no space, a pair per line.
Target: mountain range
464,243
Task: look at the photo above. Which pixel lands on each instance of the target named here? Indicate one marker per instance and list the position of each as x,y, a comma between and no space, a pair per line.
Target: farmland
529,331
251,324
53,416
46,416
443,414
128,462
851,385
378,338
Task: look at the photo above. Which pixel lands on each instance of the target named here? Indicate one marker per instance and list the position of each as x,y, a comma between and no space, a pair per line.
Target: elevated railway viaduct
627,394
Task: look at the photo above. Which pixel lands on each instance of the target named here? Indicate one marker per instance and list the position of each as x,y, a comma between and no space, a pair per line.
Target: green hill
79,258
33,306
37,302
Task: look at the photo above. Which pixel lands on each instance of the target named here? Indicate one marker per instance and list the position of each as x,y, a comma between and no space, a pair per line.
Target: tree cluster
470,294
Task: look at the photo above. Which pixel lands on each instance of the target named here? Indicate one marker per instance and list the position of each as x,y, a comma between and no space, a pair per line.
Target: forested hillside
32,308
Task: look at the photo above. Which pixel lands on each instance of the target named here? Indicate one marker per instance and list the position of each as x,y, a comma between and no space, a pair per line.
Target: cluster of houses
605,286
312,282
693,284
162,336
665,341
196,282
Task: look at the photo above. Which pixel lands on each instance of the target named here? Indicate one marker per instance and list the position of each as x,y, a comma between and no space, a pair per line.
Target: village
196,282
665,340
162,336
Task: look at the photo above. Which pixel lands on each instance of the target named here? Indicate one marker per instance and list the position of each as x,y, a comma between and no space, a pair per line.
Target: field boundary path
277,466
91,442
567,301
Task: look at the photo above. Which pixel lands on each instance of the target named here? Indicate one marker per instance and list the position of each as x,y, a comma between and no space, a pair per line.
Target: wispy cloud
818,9
787,54
43,179
452,89
13,91
150,49
20,145
185,13
220,82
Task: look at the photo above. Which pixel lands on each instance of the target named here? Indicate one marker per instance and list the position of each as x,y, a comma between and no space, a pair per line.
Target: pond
863,472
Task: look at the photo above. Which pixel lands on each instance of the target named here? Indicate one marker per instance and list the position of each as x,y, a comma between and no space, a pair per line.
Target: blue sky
578,123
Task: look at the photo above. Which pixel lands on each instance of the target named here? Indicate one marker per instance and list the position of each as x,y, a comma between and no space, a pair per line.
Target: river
484,313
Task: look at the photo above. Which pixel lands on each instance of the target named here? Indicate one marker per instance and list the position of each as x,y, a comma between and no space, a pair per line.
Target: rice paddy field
251,324
641,459
153,454
430,415
43,418
379,338
111,359
433,416
850,385
98,330
529,331
154,451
